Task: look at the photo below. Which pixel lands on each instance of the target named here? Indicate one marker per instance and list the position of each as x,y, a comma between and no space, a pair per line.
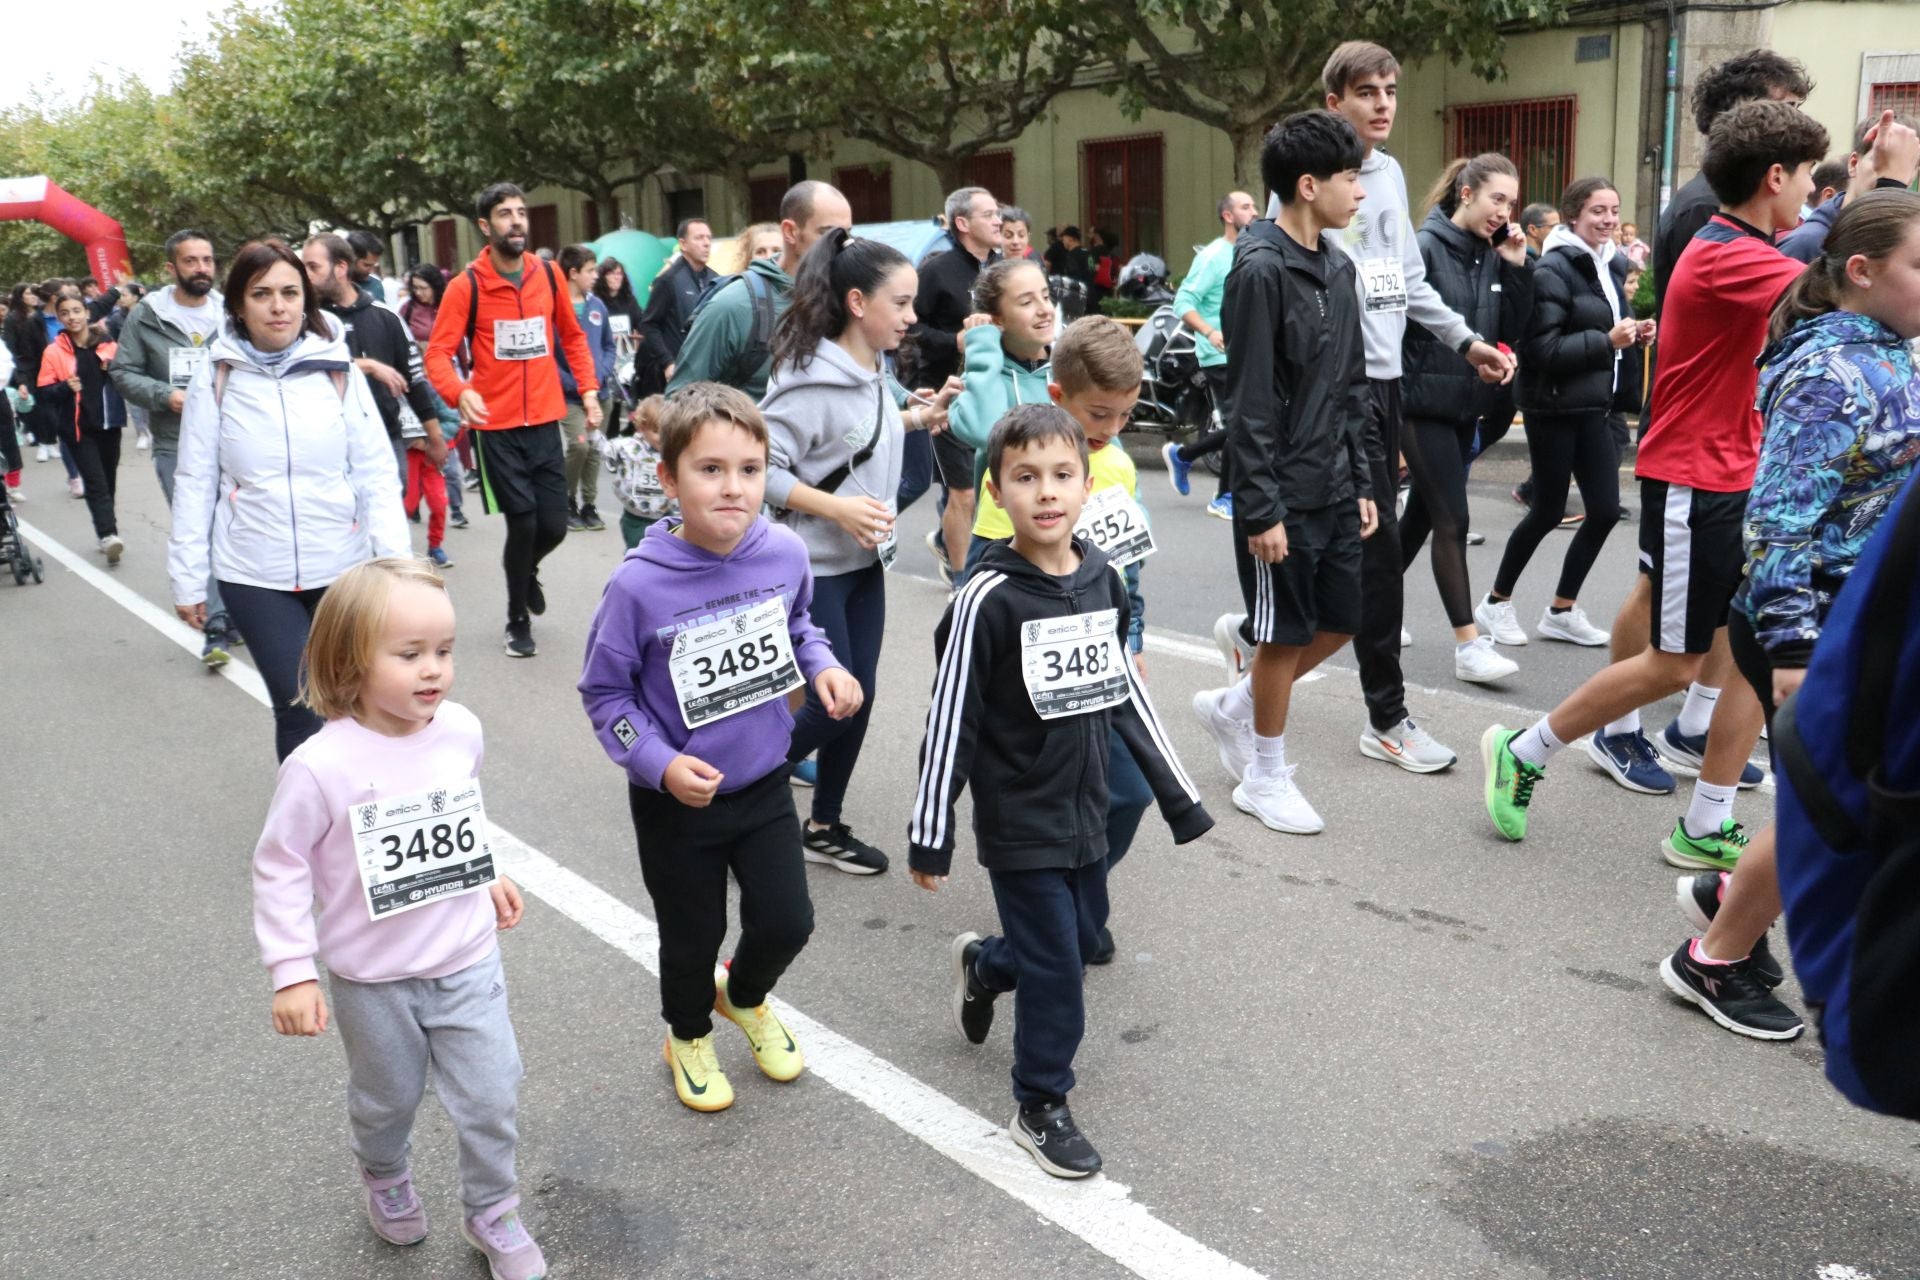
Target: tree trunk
951,171
1246,136
609,206
737,203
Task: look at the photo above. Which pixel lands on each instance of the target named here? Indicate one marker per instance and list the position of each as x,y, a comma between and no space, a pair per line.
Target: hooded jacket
283,481
86,409
818,419
599,333
662,587
1493,296
1039,786
145,368
1297,382
720,346
1568,363
1842,436
379,334
519,393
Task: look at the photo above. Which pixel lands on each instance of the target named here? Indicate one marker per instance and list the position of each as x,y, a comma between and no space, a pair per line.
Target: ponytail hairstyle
1870,226
838,263
990,286
1444,195
1578,192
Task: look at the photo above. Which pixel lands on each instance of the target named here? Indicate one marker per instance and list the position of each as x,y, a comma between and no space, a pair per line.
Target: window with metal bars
869,191
992,170
1125,193
1535,133
1902,99
764,196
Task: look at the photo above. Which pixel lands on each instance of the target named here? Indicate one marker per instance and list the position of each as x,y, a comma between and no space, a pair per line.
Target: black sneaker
575,524
1105,954
1699,898
590,519
220,626
836,847
520,639
1731,994
536,598
972,1003
458,519
213,648
1055,1142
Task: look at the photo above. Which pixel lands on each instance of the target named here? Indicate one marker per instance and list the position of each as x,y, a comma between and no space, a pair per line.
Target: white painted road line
1099,1211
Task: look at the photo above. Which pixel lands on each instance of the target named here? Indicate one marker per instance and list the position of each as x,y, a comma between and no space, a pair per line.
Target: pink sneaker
395,1211
499,1233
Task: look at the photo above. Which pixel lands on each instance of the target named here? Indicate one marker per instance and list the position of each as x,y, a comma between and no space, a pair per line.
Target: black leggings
530,536
97,454
1574,447
1437,454
275,624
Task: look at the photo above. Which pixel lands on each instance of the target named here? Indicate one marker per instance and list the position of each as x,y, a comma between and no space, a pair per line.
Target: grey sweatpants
583,462
459,1023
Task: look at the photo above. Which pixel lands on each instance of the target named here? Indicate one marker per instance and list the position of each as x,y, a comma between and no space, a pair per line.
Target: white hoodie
284,482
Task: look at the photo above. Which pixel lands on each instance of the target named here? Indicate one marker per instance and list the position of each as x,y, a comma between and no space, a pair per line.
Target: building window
764,196
1901,99
590,216
868,189
687,202
543,227
1536,134
446,244
992,170
1593,48
1125,194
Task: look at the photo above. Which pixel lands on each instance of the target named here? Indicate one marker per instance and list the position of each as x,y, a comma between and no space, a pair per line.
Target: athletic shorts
1316,588
522,469
953,459
1691,552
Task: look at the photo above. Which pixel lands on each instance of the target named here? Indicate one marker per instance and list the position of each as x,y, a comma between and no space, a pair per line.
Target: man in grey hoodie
163,343
1362,83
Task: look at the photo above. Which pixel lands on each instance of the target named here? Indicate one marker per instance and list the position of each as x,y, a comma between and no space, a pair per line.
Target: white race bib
1385,283
1073,664
1114,522
420,848
520,339
410,428
891,547
183,363
733,665
622,325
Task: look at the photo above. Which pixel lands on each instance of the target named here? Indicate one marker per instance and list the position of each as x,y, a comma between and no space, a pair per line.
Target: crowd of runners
761,434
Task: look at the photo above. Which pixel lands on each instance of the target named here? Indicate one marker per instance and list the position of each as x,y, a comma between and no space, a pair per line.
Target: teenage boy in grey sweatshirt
1362,83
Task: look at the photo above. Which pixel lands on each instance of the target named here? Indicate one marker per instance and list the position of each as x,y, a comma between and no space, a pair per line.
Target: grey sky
112,37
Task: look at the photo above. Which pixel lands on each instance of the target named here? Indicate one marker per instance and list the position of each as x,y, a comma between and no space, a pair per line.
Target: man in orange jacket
508,310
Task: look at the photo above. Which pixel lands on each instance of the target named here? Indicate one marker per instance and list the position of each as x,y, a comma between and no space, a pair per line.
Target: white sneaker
111,547
1477,663
1497,617
76,488
142,441
1278,804
40,454
1571,626
1407,745
1406,638
1226,636
1233,739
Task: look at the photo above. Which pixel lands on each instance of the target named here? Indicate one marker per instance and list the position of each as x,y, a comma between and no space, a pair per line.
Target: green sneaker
1510,782
1718,851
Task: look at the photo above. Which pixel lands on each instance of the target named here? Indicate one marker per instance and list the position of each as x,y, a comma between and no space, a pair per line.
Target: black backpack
766,314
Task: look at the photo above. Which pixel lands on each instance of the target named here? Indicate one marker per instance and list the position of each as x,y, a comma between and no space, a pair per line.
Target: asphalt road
1401,1048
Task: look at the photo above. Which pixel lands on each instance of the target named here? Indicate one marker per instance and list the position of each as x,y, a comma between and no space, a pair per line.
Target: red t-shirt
1704,431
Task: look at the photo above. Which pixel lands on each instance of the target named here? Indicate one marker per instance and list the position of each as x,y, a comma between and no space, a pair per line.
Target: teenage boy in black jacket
1297,403
1033,676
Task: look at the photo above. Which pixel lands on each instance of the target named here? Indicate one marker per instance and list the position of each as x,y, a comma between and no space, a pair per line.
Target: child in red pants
424,477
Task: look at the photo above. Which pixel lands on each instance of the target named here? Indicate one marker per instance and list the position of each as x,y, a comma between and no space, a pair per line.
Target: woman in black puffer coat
1476,258
1569,382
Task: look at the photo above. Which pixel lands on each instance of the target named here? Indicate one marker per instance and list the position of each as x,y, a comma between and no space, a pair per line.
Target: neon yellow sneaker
1510,782
697,1077
772,1044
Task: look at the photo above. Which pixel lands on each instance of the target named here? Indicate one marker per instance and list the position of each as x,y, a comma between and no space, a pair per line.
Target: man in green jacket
162,345
1198,306
728,342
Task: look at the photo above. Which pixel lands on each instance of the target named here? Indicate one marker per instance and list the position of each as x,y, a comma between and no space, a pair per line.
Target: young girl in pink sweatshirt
378,820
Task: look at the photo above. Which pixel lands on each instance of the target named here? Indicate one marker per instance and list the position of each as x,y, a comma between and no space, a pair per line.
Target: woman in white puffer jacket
286,476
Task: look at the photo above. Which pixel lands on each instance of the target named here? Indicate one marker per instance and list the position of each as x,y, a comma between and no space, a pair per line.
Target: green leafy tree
1240,65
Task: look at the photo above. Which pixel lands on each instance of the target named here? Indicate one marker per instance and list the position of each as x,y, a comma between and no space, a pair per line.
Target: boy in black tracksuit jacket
1021,637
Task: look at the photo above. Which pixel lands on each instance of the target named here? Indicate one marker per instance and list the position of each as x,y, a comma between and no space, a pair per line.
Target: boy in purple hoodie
701,634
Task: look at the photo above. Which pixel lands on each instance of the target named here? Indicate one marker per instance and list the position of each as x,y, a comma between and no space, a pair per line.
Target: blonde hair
346,630
746,239
1096,353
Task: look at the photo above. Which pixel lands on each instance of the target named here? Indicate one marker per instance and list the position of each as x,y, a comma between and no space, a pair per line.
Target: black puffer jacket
1567,361
1491,295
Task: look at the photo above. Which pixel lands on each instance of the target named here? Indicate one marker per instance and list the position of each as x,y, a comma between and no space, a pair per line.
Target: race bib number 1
520,339
183,363
1114,522
1074,664
733,665
1385,282
420,848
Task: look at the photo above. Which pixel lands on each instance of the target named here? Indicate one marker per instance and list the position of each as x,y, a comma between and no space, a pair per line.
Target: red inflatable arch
41,200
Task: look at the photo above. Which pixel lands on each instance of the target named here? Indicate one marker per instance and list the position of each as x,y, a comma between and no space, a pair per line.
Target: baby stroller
1174,397
14,551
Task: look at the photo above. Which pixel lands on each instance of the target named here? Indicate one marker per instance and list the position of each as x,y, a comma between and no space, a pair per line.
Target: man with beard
365,269
510,311
163,344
